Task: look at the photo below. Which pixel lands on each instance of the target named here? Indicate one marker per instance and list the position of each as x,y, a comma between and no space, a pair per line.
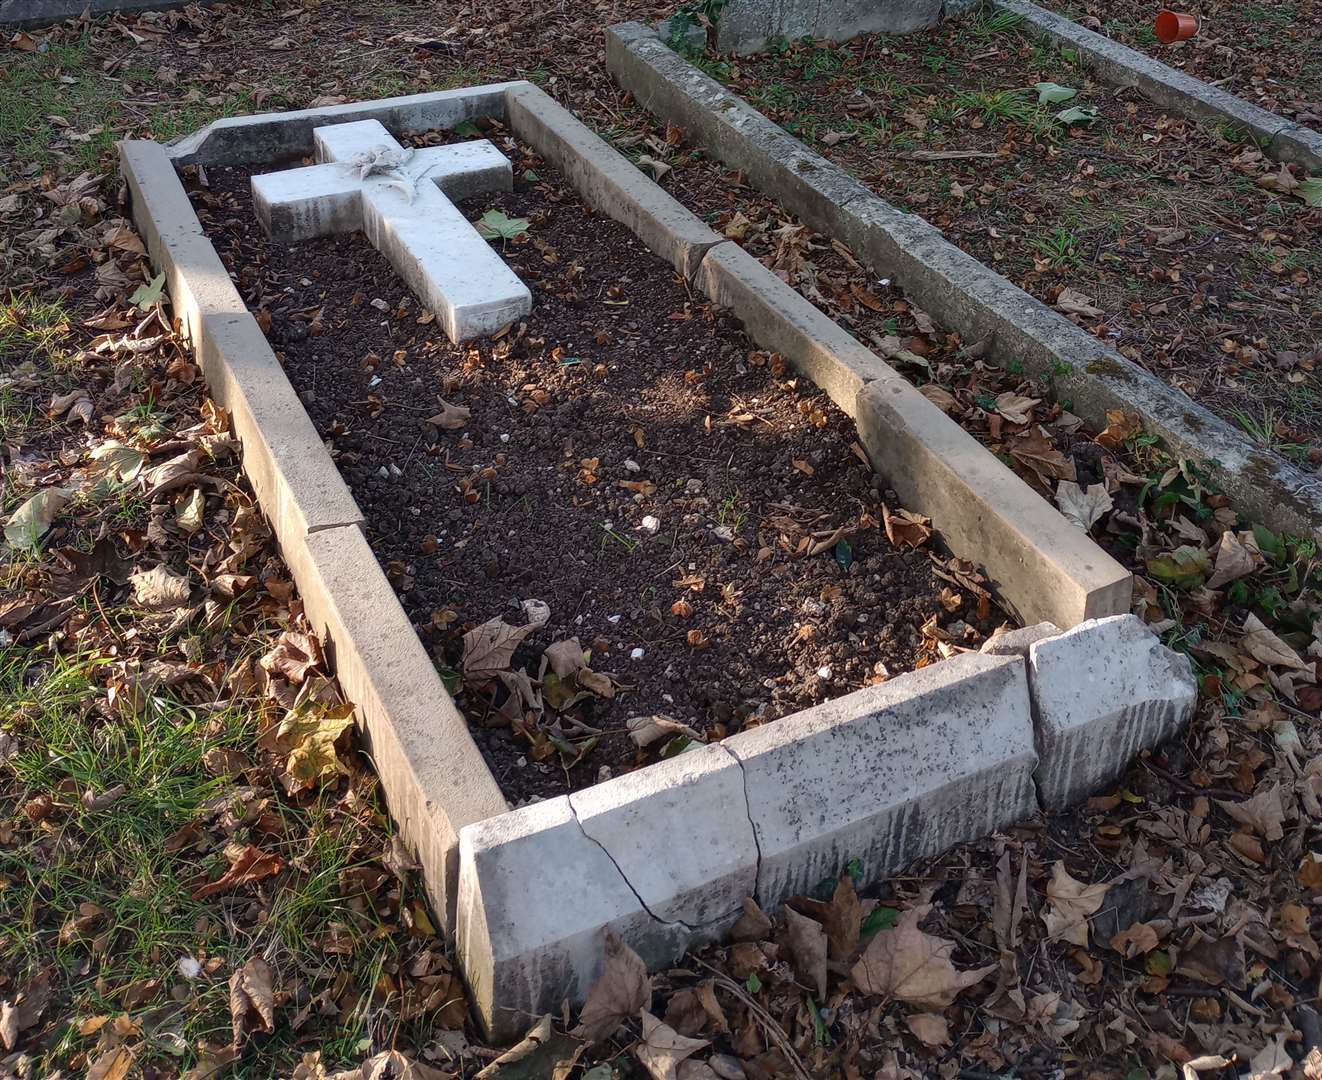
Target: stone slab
746,26
280,137
1039,564
1018,642
24,14
890,773
956,289
432,773
1167,86
1103,691
608,181
290,469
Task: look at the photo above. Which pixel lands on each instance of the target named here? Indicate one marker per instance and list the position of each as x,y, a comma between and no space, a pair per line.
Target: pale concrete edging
1171,88
885,775
431,771
21,14
954,287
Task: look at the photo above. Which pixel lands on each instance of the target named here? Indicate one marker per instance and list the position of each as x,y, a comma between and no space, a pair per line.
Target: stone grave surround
954,287
665,855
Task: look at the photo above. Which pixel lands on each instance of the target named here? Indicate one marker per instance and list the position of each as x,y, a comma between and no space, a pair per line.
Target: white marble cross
404,201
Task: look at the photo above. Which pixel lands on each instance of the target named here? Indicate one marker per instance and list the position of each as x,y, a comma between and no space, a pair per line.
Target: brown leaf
1016,408
753,924
114,1064
662,1048
1265,647
159,589
1072,902
1120,427
808,946
931,1028
1216,963
1139,938
906,530
489,648
451,417
1265,813
252,1000
622,990
1039,453
293,656
1074,302
1233,561
907,964
247,865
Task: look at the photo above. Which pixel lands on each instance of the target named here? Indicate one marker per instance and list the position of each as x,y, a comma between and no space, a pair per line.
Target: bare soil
1183,248
769,584
1270,54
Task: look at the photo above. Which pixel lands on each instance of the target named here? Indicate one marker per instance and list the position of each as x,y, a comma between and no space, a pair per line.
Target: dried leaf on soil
30,522
621,991
252,999
159,589
1084,508
907,964
662,1048
489,648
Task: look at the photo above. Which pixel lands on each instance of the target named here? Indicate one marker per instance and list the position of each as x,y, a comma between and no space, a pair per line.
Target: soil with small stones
1270,54
1191,266
623,396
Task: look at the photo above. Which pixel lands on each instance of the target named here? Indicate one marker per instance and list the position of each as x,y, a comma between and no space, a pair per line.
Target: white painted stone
1103,691
889,773
408,214
679,833
535,894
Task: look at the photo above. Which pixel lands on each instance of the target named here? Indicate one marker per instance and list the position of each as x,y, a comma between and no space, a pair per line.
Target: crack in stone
624,877
1034,718
752,825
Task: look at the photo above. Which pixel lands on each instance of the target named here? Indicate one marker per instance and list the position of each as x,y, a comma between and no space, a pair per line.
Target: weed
609,533
1060,248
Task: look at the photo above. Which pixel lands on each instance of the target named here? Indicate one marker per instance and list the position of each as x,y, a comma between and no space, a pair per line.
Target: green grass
31,329
143,917
1060,247
993,106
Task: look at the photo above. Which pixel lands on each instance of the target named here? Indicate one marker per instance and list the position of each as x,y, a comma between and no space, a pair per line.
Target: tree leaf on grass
252,1000
313,758
31,521
1310,191
907,964
1049,93
495,225
248,864
159,589
1265,647
1233,561
117,461
1184,568
620,993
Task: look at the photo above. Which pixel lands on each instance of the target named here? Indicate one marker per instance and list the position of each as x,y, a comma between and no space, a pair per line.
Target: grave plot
1151,232
1270,55
700,522
882,774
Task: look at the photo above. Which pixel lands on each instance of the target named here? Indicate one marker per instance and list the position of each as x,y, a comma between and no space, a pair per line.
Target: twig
1189,789
773,1030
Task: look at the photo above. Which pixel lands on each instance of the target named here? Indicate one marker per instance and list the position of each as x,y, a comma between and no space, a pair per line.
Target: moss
1107,366
1261,477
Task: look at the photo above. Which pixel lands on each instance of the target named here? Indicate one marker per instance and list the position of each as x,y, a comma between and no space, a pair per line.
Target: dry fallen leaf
489,648
1072,902
909,965
620,993
252,1000
663,1048
1074,302
1084,508
906,530
1016,408
1233,561
808,946
159,589
932,1029
247,864
1265,813
1265,647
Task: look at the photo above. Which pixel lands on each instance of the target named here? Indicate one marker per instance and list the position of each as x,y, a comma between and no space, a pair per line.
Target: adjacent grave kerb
401,200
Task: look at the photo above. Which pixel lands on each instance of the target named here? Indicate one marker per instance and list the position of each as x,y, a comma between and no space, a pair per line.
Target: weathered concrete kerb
666,855
30,13
958,290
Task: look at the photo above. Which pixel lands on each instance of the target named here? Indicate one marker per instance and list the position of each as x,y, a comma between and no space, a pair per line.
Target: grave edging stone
436,782
27,14
953,286
1171,88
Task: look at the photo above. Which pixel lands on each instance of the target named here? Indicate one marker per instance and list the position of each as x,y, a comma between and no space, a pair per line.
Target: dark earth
623,396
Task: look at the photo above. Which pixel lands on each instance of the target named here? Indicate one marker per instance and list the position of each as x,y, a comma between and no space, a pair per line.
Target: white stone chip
1104,690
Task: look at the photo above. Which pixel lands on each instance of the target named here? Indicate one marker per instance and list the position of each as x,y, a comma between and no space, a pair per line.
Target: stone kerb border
1169,87
664,886
958,290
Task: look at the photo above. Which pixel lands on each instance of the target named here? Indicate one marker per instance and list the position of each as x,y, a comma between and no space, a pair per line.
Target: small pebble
380,304
636,654
650,525
504,438
823,673
632,466
612,619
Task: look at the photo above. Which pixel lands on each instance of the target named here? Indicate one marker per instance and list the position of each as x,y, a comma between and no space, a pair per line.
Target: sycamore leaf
906,964
663,1048
1265,813
1016,408
620,993
1186,567
30,522
1310,191
495,225
1049,93
1072,902
149,295
905,529
1084,508
313,758
808,945
117,461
